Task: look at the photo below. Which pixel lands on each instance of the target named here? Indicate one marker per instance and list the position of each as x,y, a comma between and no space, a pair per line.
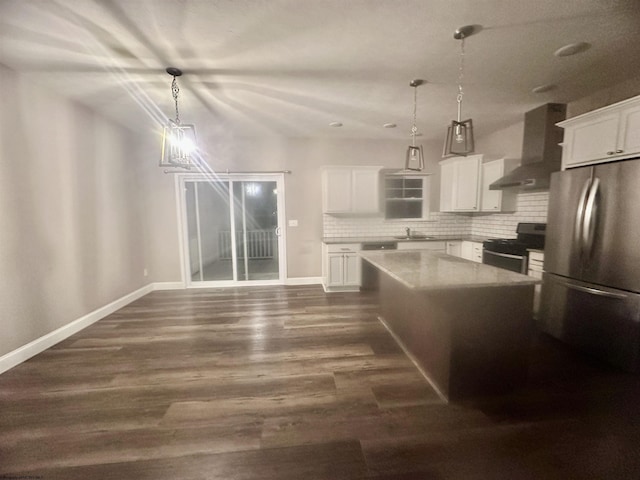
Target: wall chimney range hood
541,152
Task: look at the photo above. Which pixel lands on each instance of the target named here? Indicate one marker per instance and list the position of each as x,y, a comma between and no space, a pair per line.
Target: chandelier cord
174,91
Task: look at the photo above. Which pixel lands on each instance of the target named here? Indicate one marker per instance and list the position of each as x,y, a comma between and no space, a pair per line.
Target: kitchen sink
414,237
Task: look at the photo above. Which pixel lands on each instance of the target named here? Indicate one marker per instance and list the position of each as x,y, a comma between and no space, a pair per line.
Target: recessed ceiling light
572,49
335,124
544,88
389,125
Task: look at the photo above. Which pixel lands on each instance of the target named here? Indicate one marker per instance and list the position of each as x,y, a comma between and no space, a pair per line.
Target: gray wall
303,196
71,232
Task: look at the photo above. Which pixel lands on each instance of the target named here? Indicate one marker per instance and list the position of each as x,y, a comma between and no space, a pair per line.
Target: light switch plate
293,223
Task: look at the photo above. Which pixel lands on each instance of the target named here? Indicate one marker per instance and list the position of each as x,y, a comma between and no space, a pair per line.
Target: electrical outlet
145,272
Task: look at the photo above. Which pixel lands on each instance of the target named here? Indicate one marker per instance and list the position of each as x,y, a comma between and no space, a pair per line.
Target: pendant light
178,139
415,156
459,139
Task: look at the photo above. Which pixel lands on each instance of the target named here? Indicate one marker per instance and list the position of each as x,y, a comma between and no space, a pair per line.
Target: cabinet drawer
343,247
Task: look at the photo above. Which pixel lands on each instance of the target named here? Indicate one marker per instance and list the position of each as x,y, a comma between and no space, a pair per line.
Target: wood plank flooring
292,383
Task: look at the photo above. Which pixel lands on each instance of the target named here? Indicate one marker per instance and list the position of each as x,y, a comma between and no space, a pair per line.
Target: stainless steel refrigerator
591,286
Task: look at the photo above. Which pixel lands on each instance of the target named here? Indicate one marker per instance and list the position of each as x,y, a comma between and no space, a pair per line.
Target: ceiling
290,67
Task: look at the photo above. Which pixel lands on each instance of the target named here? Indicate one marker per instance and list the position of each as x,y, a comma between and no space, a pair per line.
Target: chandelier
178,139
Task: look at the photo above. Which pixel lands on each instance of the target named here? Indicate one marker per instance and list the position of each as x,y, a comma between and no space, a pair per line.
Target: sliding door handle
278,231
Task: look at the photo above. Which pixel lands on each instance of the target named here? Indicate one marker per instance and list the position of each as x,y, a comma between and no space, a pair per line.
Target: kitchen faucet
408,230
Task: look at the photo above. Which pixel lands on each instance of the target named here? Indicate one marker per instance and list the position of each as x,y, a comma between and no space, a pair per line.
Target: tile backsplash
438,224
531,207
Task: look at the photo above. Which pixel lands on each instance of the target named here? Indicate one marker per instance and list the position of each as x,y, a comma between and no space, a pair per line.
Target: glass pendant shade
415,158
459,139
178,145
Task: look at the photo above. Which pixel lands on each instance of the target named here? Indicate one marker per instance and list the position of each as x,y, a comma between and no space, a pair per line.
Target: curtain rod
229,172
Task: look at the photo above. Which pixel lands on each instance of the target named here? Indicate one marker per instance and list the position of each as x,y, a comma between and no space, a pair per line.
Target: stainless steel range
511,254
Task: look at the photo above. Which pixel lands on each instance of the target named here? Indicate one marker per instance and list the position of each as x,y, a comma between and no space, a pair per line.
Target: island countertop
427,270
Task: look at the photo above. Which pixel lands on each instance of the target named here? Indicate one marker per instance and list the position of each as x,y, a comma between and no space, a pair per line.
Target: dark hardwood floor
292,383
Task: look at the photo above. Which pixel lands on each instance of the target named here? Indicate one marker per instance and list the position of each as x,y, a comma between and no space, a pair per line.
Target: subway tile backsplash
531,207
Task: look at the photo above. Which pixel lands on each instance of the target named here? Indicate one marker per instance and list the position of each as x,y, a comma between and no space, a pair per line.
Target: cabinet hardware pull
619,151
611,152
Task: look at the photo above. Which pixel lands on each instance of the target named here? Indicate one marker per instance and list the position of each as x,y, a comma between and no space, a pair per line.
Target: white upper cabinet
603,135
464,185
497,200
629,138
460,184
352,190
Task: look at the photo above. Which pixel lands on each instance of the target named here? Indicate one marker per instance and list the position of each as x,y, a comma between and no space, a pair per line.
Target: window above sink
406,197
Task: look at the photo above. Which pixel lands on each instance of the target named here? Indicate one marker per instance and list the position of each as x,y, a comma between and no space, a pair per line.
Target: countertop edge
523,282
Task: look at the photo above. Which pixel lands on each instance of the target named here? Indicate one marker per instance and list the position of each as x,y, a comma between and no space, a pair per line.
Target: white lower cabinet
454,247
471,251
341,267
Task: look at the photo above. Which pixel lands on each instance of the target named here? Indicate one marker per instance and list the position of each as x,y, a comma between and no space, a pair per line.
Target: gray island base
467,326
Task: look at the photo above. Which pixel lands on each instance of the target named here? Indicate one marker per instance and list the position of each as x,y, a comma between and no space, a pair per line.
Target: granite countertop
431,238
428,270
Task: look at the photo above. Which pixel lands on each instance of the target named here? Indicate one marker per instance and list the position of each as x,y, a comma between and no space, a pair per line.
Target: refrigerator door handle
589,220
595,291
579,227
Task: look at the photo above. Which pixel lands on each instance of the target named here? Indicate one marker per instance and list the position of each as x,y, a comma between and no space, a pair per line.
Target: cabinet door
629,141
454,248
365,187
476,252
592,139
466,183
491,199
447,178
337,190
335,270
351,269
466,251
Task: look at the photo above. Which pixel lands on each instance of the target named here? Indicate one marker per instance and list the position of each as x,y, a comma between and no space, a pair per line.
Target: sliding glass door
233,230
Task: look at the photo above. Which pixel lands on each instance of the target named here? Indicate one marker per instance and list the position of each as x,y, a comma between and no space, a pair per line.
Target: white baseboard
39,345
168,286
303,281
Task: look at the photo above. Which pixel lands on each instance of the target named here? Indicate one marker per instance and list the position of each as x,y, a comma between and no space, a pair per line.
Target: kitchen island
467,326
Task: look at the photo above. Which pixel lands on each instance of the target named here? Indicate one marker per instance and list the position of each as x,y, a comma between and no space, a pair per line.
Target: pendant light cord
460,77
414,129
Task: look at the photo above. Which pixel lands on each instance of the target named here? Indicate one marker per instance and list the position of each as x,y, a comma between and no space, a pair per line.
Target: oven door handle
505,255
